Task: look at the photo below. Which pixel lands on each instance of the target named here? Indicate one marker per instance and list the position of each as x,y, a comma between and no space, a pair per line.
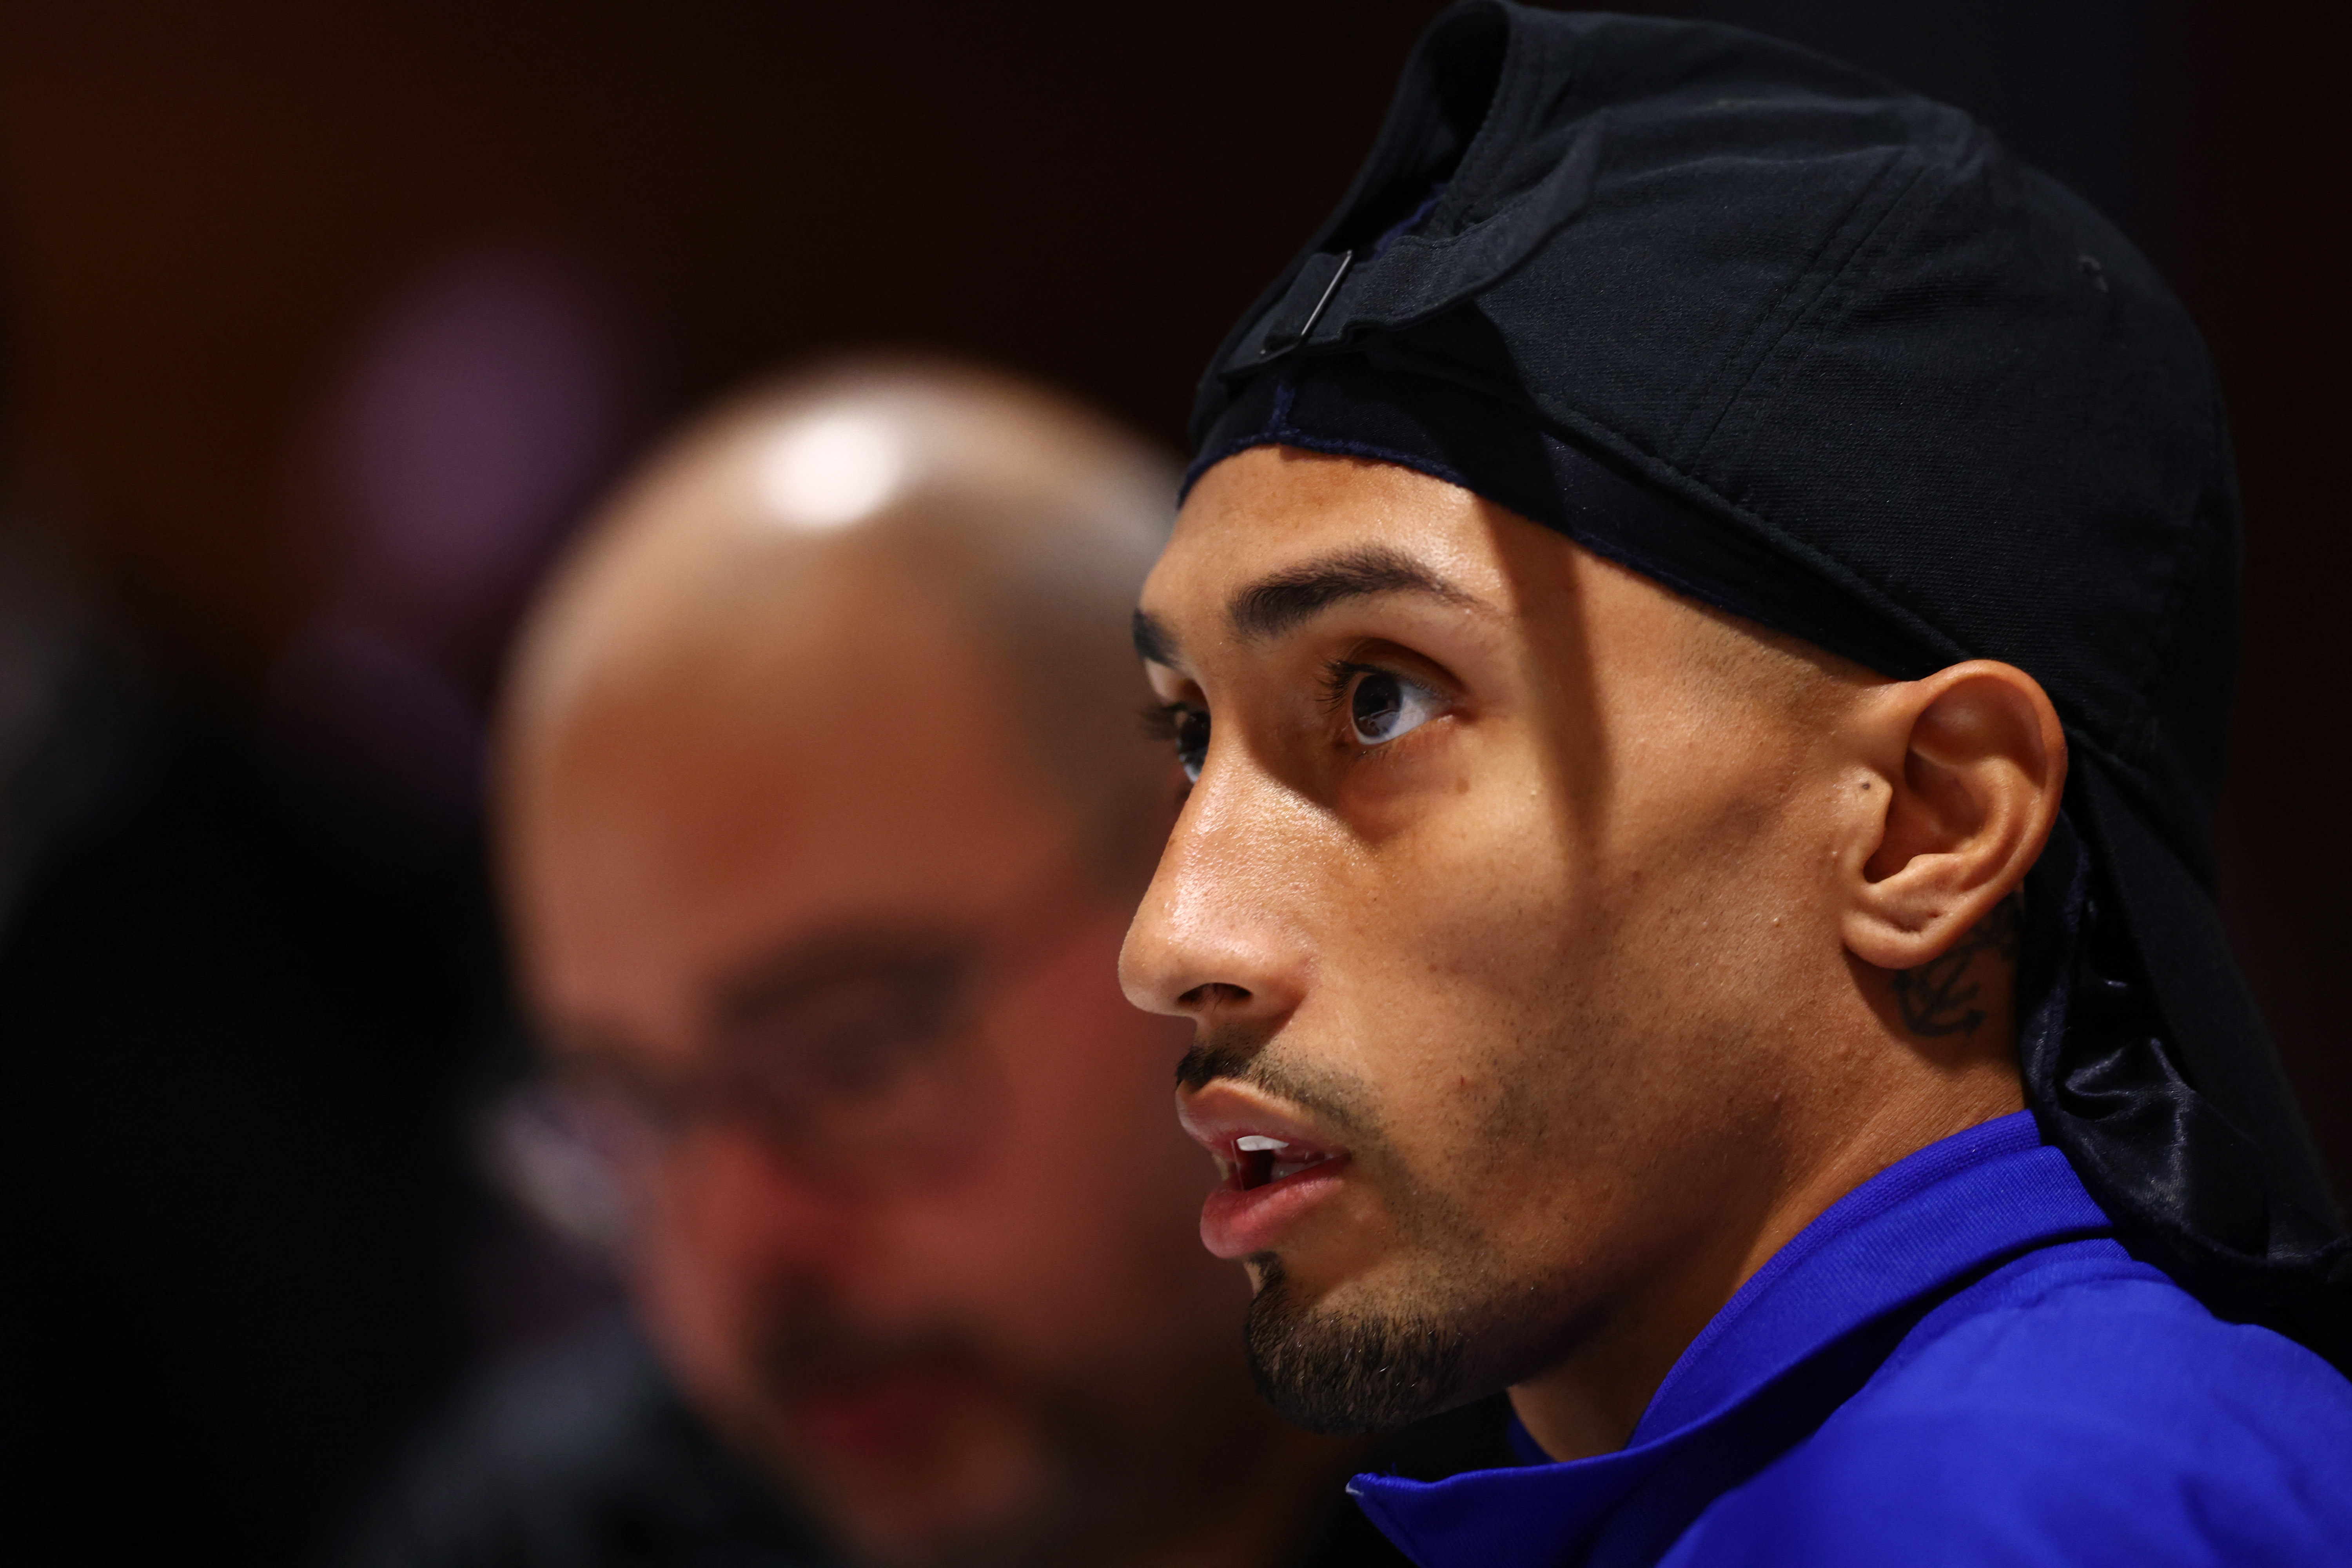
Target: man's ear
1965,769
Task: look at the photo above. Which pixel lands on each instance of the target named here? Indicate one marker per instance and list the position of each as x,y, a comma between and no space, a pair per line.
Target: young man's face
1495,906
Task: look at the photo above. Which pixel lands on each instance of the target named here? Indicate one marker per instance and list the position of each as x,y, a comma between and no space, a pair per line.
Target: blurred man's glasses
858,1062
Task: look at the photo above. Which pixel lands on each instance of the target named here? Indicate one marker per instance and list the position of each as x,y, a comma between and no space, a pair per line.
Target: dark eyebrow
1273,605
1154,642
803,971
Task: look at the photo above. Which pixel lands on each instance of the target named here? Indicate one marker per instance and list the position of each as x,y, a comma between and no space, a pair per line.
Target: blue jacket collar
1796,1339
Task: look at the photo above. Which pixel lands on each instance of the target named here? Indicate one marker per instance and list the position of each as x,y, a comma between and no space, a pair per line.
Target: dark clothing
1956,1363
581,1456
585,1458
233,1050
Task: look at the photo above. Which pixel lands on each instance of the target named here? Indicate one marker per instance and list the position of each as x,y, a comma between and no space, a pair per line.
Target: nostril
1215,993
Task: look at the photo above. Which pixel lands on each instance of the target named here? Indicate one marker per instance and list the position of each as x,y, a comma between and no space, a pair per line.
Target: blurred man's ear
1961,776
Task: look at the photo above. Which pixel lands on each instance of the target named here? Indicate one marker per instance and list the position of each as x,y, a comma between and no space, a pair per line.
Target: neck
1857,1122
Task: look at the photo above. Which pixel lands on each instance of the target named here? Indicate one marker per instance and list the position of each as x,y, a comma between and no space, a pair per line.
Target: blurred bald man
823,802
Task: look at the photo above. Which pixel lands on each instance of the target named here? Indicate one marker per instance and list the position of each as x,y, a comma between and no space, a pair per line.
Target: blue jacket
1956,1363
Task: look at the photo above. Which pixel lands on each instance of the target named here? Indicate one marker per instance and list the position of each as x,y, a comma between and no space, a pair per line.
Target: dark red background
202,205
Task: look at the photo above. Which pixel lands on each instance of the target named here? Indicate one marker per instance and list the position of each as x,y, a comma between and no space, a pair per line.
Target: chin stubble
1337,1371
1350,1371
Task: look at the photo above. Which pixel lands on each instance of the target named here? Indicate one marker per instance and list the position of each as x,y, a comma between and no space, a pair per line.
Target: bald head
825,524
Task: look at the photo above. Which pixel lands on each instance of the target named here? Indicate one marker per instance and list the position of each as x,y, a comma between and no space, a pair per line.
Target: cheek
697,1276
1078,1217
1482,983
1452,952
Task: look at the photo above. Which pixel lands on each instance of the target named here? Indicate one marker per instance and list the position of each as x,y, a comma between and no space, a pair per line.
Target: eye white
1382,706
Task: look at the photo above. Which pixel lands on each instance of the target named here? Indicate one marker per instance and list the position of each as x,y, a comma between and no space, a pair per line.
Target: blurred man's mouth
868,1402
879,1416
1275,1167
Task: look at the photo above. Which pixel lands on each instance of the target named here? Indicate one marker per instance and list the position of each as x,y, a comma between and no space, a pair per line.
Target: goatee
1335,1373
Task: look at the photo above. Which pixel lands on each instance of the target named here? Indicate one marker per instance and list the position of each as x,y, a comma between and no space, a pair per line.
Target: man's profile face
910,1223
1490,905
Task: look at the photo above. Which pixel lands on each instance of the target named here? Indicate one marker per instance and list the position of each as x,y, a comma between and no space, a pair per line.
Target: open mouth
1257,1161
1270,1184
1272,1175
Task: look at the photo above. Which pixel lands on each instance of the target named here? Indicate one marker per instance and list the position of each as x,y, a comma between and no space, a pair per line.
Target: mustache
1208,1061
809,1347
1339,1101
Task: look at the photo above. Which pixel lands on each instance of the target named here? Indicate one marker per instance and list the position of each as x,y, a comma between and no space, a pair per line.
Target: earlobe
1971,765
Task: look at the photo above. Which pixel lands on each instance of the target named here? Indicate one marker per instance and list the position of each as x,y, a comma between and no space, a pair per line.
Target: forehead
1270,508
716,813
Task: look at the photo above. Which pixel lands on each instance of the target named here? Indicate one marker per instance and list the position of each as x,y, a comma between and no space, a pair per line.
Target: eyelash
1337,676
1168,722
1184,730
1163,720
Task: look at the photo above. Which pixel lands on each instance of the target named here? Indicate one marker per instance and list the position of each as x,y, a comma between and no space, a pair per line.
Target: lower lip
883,1420
1238,1221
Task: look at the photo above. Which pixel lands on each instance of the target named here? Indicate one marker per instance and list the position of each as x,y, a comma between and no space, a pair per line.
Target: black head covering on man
1812,349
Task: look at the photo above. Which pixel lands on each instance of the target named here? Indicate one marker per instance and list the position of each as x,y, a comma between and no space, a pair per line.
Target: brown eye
1384,706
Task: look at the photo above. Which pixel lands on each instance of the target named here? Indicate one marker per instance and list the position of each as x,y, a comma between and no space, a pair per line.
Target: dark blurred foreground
326,323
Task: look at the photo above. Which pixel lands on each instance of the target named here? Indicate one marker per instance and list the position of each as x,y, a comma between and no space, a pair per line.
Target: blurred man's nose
1218,937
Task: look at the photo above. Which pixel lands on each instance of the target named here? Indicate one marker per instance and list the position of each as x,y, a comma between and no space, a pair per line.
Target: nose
726,1235
727,1201
1220,935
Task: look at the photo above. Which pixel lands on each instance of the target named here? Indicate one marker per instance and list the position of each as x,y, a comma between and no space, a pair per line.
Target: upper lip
1220,1114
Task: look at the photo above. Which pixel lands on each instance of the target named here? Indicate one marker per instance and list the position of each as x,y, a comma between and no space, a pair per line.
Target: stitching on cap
1853,230
1835,296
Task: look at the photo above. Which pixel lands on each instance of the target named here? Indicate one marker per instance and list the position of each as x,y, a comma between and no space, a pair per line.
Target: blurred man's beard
1100,1468
1336,1371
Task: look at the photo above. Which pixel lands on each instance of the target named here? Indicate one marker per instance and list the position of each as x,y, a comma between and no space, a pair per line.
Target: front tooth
1257,1143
